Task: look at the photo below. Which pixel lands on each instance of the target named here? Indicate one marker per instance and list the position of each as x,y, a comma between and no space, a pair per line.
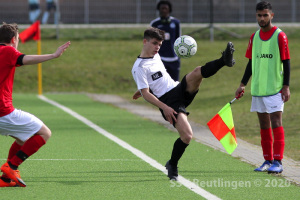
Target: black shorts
51,6
34,6
178,98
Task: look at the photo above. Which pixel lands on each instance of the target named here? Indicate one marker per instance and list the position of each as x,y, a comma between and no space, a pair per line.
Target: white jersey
151,73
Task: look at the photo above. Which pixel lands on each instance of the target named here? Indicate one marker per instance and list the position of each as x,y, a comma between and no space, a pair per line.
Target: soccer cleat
6,177
172,171
8,183
18,173
264,167
12,174
227,55
276,167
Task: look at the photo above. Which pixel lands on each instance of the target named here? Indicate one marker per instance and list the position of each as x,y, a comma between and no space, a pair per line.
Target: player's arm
285,92
285,57
248,73
34,59
168,111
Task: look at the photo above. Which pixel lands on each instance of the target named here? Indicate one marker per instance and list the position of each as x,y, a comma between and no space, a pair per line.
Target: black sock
7,180
14,167
178,150
23,156
212,67
279,161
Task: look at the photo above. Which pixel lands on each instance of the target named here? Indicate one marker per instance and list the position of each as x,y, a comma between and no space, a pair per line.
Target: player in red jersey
29,131
269,66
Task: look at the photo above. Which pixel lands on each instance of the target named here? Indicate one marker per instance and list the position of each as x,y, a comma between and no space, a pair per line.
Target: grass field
100,61
79,163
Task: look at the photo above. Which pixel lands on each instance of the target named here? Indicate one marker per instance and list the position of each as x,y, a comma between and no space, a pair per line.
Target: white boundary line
188,184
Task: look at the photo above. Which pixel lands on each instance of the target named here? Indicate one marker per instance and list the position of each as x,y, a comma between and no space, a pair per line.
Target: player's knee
48,135
195,74
197,70
45,133
187,138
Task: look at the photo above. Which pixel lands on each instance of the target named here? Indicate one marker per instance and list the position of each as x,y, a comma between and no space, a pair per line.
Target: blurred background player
29,131
51,7
269,66
172,29
34,10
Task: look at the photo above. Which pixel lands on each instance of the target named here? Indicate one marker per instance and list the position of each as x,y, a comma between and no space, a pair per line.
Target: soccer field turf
80,163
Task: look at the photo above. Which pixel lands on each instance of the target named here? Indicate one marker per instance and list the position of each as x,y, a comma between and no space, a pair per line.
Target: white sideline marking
188,184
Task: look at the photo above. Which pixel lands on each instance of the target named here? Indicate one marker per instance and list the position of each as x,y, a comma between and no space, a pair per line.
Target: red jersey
8,63
282,41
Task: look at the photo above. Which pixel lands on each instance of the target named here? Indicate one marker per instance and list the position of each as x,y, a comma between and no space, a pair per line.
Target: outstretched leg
194,78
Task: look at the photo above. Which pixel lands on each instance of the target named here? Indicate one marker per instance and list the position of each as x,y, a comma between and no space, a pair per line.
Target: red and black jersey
10,58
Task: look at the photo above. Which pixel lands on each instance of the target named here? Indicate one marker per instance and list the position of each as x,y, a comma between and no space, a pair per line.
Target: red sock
31,146
15,147
278,143
267,143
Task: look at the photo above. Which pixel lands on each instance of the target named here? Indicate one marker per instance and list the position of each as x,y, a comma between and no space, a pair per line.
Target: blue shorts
173,68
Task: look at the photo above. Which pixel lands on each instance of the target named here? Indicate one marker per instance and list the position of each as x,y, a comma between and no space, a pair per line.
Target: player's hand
170,114
136,95
285,93
61,49
240,92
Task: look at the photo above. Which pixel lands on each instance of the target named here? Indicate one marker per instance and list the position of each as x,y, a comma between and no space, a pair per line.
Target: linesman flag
221,125
33,32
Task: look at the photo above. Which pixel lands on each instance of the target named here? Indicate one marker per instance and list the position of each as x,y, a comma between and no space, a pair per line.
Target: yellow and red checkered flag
222,126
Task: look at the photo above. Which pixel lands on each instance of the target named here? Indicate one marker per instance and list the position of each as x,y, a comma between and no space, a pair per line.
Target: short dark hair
164,3
263,5
156,33
7,32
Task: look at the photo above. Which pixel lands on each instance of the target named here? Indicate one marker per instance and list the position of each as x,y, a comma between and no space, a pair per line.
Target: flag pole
232,100
237,97
39,49
34,32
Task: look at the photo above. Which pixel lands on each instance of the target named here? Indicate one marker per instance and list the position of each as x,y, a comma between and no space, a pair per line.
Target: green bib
267,67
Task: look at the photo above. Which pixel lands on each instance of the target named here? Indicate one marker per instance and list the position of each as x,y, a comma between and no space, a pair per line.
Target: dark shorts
34,6
178,98
51,6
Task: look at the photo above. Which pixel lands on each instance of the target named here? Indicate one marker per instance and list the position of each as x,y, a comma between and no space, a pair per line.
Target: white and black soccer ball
185,46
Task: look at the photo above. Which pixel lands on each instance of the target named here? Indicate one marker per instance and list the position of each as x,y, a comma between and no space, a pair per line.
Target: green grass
122,175
100,61
101,169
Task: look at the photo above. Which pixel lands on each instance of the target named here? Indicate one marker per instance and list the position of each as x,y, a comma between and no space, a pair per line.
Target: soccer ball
185,46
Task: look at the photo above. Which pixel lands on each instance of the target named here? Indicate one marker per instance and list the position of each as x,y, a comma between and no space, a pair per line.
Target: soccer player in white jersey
172,97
